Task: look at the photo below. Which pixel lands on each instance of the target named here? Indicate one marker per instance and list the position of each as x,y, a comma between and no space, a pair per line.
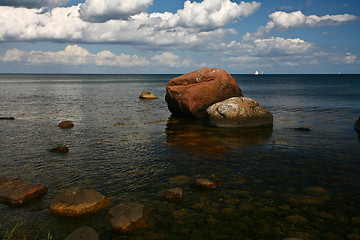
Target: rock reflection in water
195,136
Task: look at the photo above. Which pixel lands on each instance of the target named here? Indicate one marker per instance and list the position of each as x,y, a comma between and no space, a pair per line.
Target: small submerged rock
83,233
16,192
302,129
127,217
66,124
205,183
173,194
147,95
76,202
60,149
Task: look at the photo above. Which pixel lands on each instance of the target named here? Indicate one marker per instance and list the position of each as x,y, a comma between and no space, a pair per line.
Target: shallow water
275,183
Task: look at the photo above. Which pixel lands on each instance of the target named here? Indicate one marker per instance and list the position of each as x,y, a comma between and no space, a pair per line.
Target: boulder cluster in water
213,94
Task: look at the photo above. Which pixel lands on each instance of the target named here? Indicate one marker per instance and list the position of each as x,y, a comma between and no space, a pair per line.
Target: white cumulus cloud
171,60
194,25
104,10
282,21
33,3
76,55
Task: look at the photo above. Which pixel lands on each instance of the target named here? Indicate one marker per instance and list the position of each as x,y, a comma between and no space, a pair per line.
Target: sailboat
256,73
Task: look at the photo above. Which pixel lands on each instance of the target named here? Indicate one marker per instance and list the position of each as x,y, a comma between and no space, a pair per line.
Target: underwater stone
16,192
76,202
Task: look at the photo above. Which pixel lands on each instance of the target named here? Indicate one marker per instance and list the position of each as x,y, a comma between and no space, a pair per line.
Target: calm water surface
275,183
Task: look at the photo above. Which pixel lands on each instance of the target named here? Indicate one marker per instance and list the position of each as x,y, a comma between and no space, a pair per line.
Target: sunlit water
275,183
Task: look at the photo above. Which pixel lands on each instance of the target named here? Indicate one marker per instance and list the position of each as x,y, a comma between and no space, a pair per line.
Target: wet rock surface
76,202
238,112
205,183
173,194
128,217
60,149
16,192
83,233
191,94
147,95
66,124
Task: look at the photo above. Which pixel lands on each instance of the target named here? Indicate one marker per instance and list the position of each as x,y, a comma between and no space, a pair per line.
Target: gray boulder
238,112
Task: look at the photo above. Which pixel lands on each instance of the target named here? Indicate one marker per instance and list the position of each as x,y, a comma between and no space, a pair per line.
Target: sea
298,180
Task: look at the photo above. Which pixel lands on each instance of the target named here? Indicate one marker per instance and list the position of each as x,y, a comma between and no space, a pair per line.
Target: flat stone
205,183
16,192
76,202
147,95
173,194
83,233
66,124
127,217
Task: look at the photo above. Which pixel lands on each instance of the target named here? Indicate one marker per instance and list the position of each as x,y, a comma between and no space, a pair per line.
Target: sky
178,36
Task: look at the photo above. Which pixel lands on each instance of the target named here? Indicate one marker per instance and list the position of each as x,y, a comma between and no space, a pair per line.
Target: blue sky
177,36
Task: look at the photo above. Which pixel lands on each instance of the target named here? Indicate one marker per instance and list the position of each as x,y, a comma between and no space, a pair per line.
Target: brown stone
173,194
66,124
16,192
76,202
192,93
238,112
147,95
128,217
205,183
60,149
83,233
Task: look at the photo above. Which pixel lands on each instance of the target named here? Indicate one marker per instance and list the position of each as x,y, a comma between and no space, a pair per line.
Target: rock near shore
147,95
75,202
16,192
66,124
191,94
127,217
238,112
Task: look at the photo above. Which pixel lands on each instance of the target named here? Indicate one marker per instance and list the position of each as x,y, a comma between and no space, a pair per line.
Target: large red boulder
192,93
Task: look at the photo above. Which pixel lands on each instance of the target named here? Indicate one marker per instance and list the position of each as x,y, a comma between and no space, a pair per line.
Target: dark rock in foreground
147,95
66,124
191,94
238,112
173,194
60,149
76,202
357,125
83,233
127,217
16,192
